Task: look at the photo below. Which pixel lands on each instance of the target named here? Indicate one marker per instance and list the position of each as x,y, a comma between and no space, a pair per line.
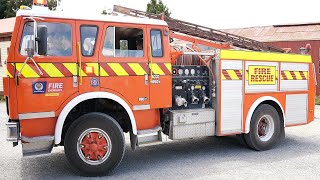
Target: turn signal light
25,8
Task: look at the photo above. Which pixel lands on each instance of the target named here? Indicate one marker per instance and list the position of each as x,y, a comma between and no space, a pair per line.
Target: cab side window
88,39
59,38
156,43
123,42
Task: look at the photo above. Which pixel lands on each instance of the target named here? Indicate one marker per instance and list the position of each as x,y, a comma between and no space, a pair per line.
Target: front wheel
94,144
264,128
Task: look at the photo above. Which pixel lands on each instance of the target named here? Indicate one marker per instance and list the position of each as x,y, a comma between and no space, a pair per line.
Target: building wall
4,44
296,45
2,74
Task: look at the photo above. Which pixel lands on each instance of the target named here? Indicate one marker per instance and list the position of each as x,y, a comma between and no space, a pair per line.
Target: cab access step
146,137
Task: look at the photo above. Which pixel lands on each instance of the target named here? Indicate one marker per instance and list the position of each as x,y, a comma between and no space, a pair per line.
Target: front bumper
13,132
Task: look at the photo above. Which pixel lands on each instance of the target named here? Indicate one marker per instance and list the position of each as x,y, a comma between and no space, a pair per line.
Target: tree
9,8
158,7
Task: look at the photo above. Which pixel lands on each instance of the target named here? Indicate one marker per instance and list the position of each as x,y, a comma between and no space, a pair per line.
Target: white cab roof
44,12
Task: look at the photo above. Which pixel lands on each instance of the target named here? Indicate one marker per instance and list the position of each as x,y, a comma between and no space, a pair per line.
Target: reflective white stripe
92,95
255,105
141,107
36,115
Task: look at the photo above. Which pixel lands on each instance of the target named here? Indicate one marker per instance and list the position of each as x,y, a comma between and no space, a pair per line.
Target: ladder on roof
177,26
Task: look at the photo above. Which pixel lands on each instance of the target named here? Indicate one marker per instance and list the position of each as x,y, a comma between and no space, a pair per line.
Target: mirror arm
25,62
35,47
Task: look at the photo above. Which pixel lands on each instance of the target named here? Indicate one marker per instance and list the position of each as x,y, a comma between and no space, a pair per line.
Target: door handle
146,79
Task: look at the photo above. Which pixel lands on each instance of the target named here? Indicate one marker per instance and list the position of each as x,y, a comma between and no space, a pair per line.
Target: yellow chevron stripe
82,72
95,68
241,71
27,71
136,67
243,74
156,69
281,76
306,74
51,70
103,72
288,75
297,75
169,66
72,67
8,74
222,77
233,74
118,69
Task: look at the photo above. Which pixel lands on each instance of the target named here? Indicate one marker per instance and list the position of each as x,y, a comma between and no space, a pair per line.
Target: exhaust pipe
180,101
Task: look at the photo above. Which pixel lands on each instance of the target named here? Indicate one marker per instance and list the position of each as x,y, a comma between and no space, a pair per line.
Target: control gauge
180,72
192,88
192,72
186,72
203,88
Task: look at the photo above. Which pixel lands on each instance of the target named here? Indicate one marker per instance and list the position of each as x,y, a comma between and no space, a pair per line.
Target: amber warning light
40,3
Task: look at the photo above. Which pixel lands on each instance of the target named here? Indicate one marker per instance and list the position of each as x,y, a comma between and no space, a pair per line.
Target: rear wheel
264,128
94,144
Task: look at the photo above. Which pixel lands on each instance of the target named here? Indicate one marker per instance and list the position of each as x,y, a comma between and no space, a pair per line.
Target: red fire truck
82,82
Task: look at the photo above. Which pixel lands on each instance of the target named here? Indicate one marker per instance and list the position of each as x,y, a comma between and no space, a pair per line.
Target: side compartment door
123,60
46,91
89,35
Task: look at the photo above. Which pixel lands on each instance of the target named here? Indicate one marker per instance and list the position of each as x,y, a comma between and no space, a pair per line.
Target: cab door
89,35
124,63
160,66
46,88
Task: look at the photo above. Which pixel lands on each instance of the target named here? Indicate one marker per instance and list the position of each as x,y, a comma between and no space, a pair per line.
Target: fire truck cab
82,82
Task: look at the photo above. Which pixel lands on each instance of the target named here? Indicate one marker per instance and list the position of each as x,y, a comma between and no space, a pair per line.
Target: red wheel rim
265,128
94,146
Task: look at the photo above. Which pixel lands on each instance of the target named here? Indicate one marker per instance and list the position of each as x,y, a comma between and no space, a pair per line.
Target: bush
2,98
318,100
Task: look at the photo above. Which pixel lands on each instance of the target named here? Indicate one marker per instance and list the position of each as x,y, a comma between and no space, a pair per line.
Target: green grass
318,100
1,98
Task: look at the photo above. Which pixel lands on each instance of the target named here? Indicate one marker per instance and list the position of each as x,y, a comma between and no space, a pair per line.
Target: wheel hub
262,127
265,128
94,146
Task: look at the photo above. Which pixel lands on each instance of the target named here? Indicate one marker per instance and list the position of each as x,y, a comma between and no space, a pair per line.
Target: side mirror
42,40
30,48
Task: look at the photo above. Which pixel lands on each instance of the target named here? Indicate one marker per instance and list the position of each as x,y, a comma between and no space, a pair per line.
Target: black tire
114,133
253,139
242,139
